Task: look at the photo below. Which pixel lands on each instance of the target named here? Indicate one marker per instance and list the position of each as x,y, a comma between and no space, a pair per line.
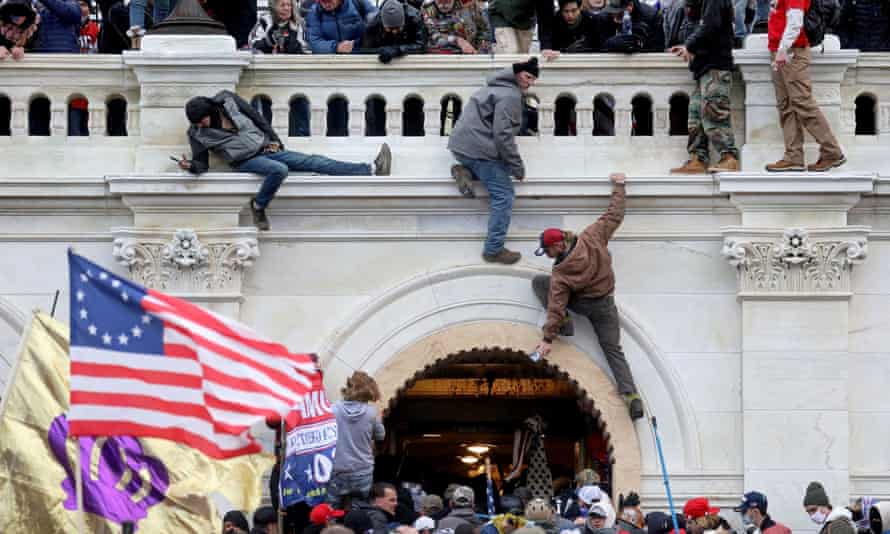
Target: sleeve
605,226
556,308
417,44
68,11
793,25
548,37
379,430
200,157
544,13
317,42
507,116
437,39
248,111
710,25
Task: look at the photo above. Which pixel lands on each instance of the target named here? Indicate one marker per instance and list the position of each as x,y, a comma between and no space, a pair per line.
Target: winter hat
816,495
358,521
197,108
425,523
463,497
392,14
321,514
530,66
590,494
264,515
752,499
539,510
236,517
432,504
550,237
699,507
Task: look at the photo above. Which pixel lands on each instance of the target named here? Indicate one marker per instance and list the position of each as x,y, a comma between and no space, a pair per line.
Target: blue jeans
497,180
740,29
350,485
275,167
161,10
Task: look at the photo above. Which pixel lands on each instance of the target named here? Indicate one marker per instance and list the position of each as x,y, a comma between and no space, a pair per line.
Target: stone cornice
797,183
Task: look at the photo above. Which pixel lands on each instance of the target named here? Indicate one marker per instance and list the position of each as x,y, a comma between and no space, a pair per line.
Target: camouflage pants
709,116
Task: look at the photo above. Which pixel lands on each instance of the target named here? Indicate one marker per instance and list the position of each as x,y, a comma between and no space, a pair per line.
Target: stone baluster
58,124
546,121
584,119
394,119
318,123
356,119
432,113
19,117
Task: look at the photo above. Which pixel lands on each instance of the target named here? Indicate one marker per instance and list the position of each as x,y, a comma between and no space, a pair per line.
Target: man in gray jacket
484,143
227,125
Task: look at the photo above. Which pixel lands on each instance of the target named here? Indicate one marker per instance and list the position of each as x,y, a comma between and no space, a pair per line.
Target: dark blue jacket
346,23
59,27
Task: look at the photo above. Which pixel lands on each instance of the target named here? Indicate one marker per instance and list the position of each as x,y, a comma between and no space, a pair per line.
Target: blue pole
664,475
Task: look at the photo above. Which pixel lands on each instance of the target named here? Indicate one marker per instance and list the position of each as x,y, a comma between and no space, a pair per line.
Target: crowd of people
392,28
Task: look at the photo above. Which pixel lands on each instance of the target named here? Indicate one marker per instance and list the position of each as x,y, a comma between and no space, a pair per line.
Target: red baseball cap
321,514
549,237
699,507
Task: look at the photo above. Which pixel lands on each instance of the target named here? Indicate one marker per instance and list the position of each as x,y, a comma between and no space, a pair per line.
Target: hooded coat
357,429
586,269
345,23
272,35
489,123
839,521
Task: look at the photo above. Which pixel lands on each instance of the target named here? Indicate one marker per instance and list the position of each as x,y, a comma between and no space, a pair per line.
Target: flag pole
78,485
282,454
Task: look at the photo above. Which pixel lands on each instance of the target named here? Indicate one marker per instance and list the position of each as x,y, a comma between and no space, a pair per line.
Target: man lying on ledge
233,130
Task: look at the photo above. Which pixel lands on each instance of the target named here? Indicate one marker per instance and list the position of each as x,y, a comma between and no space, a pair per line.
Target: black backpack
821,17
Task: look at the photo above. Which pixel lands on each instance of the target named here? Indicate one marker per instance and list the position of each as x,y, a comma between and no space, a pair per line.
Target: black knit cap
236,518
197,108
530,66
264,515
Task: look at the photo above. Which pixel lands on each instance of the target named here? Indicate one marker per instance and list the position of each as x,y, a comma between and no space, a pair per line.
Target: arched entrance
452,416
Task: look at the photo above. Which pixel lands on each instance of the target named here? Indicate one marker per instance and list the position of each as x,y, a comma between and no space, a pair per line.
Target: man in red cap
699,507
322,516
583,281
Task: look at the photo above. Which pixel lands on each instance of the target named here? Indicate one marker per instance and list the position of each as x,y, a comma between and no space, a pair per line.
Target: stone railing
617,110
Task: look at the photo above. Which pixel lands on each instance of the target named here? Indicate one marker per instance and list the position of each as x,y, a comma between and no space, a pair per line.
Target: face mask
818,517
747,520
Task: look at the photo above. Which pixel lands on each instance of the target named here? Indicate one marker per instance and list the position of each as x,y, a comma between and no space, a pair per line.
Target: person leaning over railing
574,31
646,27
19,23
337,26
281,30
454,27
397,29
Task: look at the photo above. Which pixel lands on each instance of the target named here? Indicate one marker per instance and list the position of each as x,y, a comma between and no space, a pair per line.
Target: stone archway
599,389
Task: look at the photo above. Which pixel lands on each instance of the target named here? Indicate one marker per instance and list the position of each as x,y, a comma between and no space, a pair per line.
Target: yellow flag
159,485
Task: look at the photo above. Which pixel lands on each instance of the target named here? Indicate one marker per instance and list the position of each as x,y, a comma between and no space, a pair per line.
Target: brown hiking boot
692,166
825,164
728,163
507,257
464,180
783,165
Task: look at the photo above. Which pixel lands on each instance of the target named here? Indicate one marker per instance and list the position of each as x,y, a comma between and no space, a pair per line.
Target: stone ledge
796,182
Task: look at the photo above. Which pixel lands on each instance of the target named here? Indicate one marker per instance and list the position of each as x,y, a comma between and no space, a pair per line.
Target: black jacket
865,24
648,28
379,518
712,38
581,38
411,40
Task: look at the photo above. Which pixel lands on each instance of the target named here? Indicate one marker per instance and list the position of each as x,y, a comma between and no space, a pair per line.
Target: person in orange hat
583,281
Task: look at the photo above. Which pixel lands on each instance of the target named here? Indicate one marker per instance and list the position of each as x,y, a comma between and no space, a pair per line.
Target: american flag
489,488
147,364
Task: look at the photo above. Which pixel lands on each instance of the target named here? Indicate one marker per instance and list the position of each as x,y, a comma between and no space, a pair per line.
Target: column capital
795,263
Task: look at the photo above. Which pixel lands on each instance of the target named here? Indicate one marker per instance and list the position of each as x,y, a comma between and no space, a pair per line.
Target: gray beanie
392,14
816,495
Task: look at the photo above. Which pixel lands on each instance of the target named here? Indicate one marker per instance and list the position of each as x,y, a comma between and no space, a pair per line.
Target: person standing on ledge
227,125
484,143
583,281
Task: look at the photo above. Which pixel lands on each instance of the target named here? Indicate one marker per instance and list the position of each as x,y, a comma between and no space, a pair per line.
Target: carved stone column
795,256
205,267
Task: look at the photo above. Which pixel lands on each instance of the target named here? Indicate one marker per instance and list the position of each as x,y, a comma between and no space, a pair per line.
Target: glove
387,53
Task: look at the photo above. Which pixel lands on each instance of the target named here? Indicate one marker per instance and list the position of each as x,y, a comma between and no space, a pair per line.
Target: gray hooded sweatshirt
357,429
489,123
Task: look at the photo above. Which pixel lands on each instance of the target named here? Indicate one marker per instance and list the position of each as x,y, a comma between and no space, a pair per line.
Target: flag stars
103,276
83,313
80,296
146,319
106,338
92,329
115,283
124,296
122,339
84,278
136,331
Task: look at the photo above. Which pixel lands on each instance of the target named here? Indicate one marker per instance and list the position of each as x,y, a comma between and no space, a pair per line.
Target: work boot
259,216
464,180
634,405
826,164
383,161
728,163
783,165
692,166
567,327
135,34
505,256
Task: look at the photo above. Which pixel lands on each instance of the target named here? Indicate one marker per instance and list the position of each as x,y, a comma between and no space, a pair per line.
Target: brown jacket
587,270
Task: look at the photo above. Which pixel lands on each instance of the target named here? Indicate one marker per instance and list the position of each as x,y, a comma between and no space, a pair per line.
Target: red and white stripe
216,380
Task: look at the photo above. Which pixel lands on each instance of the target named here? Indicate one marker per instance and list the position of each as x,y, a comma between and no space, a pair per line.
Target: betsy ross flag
147,364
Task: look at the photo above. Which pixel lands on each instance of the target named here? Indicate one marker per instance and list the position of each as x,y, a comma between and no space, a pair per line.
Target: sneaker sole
383,161
788,169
